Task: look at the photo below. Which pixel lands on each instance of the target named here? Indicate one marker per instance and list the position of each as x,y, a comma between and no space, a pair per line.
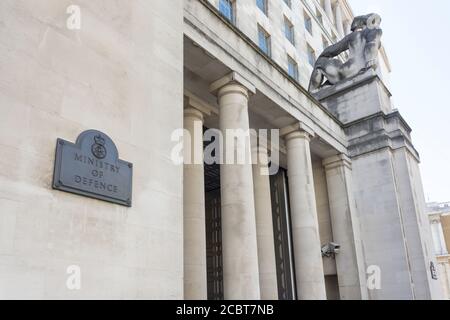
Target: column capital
233,78
299,130
194,107
340,160
191,112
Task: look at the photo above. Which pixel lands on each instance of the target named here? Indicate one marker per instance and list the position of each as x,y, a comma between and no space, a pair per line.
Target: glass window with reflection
289,31
262,5
226,8
292,68
319,16
311,55
308,22
264,41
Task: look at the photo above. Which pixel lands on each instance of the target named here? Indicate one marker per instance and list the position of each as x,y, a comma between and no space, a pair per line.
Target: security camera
335,247
330,249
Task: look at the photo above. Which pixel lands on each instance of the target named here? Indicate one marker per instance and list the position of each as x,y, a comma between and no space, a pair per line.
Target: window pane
262,4
226,8
311,56
292,68
319,17
289,30
308,22
264,41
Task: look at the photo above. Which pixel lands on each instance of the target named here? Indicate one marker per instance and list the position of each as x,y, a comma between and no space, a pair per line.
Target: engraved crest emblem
98,148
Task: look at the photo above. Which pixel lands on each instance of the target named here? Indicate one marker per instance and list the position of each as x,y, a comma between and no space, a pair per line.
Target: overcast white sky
417,41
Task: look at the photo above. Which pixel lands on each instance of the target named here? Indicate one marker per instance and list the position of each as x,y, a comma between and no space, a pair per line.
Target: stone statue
363,45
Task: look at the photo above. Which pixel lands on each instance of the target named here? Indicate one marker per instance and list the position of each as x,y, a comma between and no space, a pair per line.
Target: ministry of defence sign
91,167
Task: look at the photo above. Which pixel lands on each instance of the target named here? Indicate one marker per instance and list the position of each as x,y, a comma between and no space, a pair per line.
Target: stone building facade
439,215
343,217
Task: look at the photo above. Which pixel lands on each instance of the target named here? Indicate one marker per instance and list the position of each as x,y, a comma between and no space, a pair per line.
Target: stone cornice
337,161
389,135
394,114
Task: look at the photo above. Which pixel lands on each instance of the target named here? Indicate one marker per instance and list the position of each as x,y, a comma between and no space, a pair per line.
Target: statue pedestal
365,91
387,188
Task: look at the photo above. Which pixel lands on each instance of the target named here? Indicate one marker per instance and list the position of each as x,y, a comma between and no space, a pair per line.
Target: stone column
447,273
239,243
329,9
438,237
195,282
264,225
305,227
346,231
442,239
435,236
443,277
339,21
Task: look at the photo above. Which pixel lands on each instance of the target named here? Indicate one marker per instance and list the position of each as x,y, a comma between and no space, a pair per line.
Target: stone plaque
91,167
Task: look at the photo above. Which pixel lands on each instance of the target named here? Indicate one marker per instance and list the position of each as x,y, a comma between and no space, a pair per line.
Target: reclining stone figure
363,45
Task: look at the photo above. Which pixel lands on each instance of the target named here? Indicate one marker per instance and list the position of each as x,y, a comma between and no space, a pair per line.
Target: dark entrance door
282,236
213,233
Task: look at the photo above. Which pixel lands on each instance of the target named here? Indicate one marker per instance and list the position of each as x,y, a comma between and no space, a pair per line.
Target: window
292,68
289,31
264,41
319,16
262,4
311,55
288,3
308,22
226,8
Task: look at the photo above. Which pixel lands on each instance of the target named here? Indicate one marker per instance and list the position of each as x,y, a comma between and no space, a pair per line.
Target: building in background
439,215
343,217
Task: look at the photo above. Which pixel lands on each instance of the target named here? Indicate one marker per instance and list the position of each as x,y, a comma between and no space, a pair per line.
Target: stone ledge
356,98
379,131
337,162
394,114
350,84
